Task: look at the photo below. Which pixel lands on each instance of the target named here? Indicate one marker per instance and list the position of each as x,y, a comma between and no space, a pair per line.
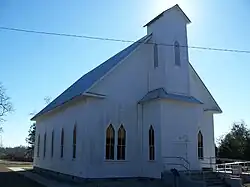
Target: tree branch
5,104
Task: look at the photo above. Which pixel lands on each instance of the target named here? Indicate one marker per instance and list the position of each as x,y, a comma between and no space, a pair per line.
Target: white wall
65,118
125,86
151,116
198,90
207,129
178,120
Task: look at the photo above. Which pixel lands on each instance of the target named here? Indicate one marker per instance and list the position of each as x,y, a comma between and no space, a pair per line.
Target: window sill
115,161
153,161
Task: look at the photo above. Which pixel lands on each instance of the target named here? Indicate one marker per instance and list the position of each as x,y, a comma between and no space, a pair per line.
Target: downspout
140,136
86,161
138,131
142,132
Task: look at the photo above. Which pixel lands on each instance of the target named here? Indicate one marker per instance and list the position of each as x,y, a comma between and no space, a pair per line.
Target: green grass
16,164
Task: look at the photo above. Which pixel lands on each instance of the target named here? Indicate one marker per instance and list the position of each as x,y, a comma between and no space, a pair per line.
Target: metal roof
160,93
87,80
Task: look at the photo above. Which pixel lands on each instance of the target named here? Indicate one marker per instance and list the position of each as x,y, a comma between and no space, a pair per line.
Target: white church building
142,111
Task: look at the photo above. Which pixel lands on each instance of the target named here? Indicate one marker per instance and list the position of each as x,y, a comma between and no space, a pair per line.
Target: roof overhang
161,14
160,93
214,110
83,95
91,94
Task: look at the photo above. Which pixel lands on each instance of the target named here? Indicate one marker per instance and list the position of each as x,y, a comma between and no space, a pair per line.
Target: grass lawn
16,164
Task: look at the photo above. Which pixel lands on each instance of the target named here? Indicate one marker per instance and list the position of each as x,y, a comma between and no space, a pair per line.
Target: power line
65,35
119,40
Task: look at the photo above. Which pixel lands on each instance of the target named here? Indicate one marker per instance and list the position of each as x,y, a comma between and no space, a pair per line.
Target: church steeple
161,14
172,73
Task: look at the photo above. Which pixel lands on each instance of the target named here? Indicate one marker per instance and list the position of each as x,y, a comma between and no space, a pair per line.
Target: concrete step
211,178
215,183
204,178
207,175
207,169
210,175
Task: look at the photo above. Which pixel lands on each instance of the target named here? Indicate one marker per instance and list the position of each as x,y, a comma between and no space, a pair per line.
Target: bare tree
5,104
32,113
47,99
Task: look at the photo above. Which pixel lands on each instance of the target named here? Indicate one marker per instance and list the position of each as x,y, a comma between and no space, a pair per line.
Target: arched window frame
156,62
200,146
62,143
38,146
52,143
177,55
151,142
44,145
74,142
110,143
121,143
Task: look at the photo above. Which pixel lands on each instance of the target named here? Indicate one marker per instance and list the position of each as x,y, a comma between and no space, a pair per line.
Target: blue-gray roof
87,80
160,93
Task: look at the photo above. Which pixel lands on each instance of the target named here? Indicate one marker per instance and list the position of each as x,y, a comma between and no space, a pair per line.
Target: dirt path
9,178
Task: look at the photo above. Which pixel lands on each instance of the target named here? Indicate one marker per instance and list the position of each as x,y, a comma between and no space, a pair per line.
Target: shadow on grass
111,182
10,178
18,179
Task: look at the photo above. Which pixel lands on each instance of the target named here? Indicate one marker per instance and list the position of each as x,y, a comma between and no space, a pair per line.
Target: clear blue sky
35,66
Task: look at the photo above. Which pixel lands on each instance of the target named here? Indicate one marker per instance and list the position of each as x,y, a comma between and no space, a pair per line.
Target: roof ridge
161,14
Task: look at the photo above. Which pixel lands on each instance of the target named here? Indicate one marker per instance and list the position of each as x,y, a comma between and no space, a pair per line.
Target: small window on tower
177,53
155,56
